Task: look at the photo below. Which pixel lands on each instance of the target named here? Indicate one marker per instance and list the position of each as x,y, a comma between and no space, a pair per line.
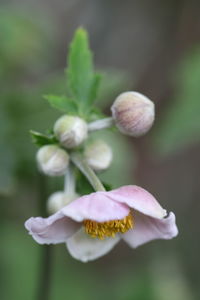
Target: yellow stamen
109,228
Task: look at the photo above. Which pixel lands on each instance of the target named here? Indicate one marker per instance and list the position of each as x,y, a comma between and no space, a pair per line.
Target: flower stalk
80,162
69,181
45,251
101,124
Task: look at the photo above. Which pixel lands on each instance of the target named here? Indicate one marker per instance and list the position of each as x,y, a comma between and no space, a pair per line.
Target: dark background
149,46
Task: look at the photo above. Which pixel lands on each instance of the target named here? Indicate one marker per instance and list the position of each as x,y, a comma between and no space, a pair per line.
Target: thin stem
45,264
69,183
45,272
101,124
83,166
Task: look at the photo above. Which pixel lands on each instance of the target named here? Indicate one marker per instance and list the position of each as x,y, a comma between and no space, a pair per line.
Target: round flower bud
133,113
58,200
52,160
71,131
98,155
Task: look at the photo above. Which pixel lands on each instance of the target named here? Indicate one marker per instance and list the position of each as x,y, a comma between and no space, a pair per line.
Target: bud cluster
132,113
71,144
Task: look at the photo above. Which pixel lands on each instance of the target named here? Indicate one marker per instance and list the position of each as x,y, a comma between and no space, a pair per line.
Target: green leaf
82,81
94,88
62,103
41,139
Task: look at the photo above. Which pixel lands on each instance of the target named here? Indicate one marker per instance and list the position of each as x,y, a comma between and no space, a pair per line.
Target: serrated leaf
82,81
62,103
41,139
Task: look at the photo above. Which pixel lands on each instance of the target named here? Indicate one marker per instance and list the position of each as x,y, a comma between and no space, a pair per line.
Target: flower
93,224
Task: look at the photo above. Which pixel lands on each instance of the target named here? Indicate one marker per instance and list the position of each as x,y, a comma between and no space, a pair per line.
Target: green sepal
62,103
41,139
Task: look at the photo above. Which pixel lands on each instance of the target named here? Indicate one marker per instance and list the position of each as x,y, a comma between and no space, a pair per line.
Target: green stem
83,166
45,264
45,272
69,181
101,124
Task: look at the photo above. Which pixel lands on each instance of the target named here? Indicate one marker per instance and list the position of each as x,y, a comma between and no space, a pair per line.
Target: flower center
109,228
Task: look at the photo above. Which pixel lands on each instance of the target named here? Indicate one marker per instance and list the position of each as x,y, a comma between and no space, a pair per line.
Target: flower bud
98,155
52,160
133,113
58,200
71,131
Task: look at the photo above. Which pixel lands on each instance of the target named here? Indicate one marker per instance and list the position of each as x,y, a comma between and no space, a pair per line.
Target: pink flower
93,224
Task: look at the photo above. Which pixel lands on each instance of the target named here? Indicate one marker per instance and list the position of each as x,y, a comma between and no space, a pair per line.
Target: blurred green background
149,46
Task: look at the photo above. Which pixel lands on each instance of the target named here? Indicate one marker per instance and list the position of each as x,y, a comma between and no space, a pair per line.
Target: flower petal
52,230
148,228
139,199
96,206
85,248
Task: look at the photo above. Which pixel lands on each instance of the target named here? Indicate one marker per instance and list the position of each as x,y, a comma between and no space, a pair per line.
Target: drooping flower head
93,224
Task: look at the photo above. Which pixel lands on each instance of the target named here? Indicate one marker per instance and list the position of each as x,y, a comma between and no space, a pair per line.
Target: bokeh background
149,46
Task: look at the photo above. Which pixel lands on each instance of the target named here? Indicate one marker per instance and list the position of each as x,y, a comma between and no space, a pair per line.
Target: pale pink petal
96,206
148,228
138,199
85,248
52,230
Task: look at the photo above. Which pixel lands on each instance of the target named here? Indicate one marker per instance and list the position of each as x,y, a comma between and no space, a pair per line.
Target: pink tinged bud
98,155
71,131
52,160
133,113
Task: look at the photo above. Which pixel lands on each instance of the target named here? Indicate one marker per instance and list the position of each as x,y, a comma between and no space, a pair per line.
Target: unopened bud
52,160
133,113
58,200
71,131
98,155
